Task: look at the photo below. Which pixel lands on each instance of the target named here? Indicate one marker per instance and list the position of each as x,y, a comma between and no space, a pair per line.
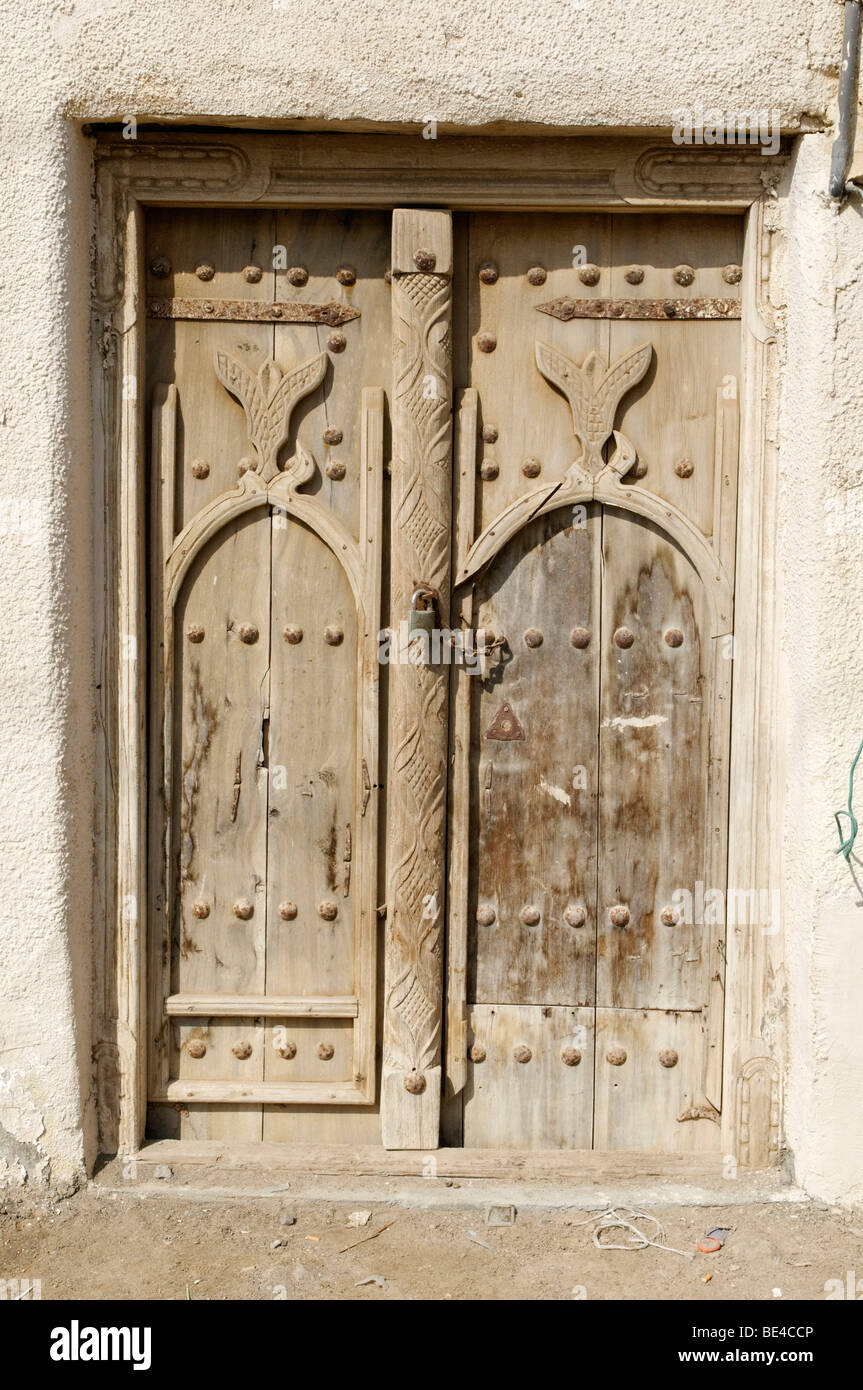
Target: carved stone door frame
462,173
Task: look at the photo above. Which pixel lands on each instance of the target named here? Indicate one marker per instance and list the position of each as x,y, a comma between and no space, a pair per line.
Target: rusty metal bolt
200,910
570,1056
533,637
333,635
414,1083
294,635
243,909
589,274
580,637
489,470
326,1052
674,637
616,1056
346,275
486,342
618,915
684,468
195,632
574,916
669,308
531,468
248,633
425,261
242,1050
537,275
335,470
288,1050
252,274
328,910
477,1053
196,1048
333,436
208,306
160,266
634,275
683,274
488,273
668,1057
337,342
623,638
522,1053
287,911
530,916
486,915
297,275
200,468
668,917
732,274
489,434
205,271
277,311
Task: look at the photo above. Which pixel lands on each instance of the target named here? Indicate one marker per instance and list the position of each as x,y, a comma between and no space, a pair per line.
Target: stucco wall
576,64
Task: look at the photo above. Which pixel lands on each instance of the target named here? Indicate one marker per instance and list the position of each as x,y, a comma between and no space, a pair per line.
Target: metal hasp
847,87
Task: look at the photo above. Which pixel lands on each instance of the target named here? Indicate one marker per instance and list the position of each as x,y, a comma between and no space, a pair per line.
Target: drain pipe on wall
842,145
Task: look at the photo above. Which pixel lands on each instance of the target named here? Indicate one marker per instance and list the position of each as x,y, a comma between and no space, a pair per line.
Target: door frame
462,172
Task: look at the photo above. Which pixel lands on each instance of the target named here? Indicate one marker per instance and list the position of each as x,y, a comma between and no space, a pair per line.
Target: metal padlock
421,619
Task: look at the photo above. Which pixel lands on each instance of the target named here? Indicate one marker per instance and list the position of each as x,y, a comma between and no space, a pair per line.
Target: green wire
846,846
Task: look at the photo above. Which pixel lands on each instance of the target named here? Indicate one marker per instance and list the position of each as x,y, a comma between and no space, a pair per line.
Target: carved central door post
418,690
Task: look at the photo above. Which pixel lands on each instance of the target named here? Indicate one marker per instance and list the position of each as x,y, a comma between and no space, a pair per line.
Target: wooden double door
441,557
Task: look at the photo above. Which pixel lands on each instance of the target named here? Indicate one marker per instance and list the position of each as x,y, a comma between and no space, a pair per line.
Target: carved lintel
251,311
701,308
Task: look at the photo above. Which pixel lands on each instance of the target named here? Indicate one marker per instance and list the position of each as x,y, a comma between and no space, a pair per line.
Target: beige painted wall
572,64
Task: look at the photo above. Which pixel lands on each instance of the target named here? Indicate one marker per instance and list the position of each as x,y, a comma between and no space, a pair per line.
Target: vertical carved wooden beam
416,783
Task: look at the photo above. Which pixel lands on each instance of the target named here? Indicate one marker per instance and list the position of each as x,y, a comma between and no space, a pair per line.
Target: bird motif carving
594,392
268,399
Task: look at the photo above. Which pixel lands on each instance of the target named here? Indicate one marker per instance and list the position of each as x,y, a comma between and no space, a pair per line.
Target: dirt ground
114,1245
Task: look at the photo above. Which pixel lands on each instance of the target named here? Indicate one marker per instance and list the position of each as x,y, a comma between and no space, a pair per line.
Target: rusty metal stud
616,1056
425,261
297,275
287,911
335,470
160,267
477,1053
489,434
208,306
328,910
623,638
200,468
326,1051
580,637
570,1056
531,468
533,637
243,909
346,275
668,1057
242,1050
732,274
205,271
488,273
674,637
200,910
337,342
618,915
668,917
684,468
530,916
486,915
486,342
414,1083
196,1048
634,275
589,274
252,274
288,1050
333,436
333,635
574,916
683,274
522,1053
294,635
489,470
537,275
248,633
195,632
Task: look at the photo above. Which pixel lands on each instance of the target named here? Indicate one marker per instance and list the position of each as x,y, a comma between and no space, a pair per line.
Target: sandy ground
165,1245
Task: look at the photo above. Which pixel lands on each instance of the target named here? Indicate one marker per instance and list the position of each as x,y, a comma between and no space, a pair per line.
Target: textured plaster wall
574,64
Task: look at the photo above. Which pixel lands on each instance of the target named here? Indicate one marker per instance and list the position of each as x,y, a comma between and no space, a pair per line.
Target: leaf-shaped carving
268,400
593,392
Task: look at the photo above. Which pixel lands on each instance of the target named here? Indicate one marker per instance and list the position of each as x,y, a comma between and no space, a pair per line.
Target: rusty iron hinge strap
682,309
251,311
